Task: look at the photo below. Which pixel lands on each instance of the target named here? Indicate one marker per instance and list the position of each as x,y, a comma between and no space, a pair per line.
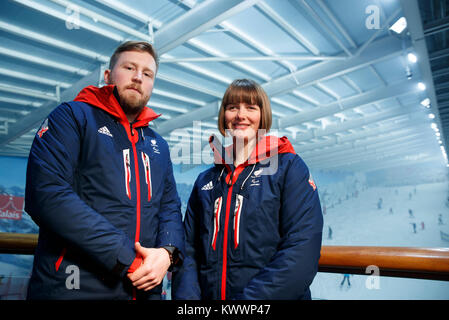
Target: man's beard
131,106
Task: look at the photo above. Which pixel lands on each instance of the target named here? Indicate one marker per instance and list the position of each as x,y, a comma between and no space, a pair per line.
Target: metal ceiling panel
336,75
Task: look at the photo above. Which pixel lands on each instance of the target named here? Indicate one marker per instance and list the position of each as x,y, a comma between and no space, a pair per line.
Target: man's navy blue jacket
95,186
252,232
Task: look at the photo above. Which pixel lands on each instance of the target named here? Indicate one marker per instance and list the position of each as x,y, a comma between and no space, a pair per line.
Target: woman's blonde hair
246,91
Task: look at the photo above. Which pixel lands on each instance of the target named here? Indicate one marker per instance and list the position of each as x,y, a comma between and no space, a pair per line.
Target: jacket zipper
133,140
127,165
237,215
217,210
136,172
147,166
225,244
233,175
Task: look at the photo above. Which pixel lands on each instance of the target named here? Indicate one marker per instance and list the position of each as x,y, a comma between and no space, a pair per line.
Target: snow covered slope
358,221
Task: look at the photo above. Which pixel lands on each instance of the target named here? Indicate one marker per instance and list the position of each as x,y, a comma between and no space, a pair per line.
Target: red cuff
136,264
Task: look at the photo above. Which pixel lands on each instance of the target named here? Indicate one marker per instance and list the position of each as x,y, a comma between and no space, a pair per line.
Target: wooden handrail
421,263
405,262
18,243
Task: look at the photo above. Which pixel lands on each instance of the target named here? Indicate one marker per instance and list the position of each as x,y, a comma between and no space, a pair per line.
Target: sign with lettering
11,207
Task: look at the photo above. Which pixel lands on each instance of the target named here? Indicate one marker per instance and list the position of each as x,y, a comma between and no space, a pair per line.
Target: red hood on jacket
266,147
105,99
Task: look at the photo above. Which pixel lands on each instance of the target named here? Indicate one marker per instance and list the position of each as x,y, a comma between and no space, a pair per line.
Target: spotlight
431,116
421,86
399,25
425,102
412,57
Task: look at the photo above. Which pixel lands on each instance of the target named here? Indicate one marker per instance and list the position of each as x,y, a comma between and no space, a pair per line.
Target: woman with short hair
253,223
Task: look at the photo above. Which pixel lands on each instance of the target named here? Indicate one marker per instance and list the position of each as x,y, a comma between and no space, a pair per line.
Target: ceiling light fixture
421,86
412,57
399,25
425,102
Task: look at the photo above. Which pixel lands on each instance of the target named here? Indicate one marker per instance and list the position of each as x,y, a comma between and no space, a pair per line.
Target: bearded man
100,187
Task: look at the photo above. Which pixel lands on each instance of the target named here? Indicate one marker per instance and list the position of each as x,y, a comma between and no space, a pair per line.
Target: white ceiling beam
387,160
349,160
116,25
197,20
354,124
337,23
75,49
379,50
288,28
102,19
189,85
28,92
138,15
370,166
211,50
400,146
35,118
365,98
255,44
42,61
397,163
252,58
33,78
323,25
208,111
377,33
403,128
66,17
50,41
350,150
165,58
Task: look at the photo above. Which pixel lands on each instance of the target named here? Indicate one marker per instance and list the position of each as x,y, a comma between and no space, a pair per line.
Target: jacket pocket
217,211
147,167
127,166
237,216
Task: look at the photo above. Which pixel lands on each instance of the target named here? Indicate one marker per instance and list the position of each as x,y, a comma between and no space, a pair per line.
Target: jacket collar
105,99
266,147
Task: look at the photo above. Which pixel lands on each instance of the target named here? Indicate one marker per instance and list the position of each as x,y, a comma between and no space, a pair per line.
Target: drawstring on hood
222,170
252,170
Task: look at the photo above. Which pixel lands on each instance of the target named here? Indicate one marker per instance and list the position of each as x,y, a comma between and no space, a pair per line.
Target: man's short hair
249,92
140,46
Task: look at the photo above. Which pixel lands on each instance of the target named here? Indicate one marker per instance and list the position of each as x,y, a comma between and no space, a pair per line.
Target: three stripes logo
208,186
105,130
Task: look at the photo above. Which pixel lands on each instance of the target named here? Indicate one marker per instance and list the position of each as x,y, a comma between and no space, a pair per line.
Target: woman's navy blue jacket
95,186
252,232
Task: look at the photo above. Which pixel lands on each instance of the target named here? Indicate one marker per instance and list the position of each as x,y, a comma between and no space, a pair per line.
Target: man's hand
153,269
